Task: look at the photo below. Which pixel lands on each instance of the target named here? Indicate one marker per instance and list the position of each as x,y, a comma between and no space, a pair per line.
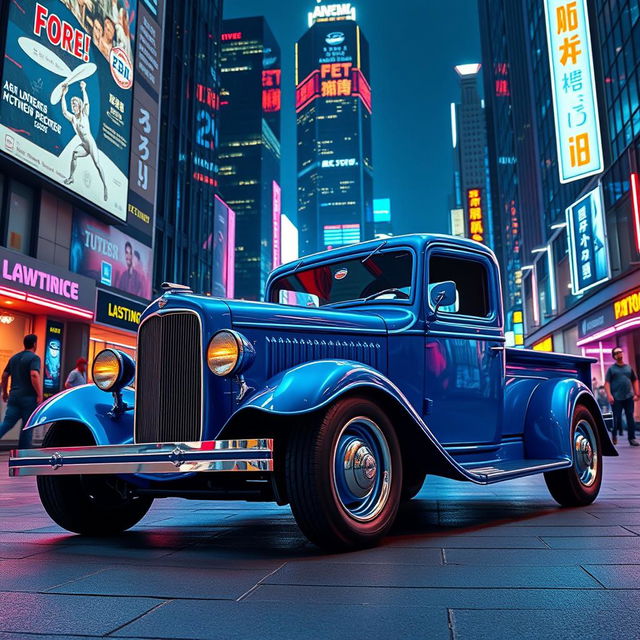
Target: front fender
88,405
312,385
547,429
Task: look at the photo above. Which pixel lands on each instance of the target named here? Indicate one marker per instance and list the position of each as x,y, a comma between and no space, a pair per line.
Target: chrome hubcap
362,469
585,453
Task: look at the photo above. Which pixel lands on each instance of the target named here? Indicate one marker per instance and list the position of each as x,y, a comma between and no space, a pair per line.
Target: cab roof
417,241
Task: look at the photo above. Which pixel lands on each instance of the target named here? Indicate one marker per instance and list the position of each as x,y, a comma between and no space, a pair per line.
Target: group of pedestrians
26,387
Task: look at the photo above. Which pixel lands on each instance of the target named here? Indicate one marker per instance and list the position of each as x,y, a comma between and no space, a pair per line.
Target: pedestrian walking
26,389
622,390
78,375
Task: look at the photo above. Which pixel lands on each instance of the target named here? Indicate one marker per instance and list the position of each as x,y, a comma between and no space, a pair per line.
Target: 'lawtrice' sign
27,274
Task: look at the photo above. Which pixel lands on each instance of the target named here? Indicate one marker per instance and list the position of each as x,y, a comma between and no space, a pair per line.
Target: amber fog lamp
112,370
229,353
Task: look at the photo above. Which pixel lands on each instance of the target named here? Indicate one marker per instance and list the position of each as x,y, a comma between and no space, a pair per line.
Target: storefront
116,324
53,303
615,325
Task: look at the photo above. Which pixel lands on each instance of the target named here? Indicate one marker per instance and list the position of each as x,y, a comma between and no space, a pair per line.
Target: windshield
383,276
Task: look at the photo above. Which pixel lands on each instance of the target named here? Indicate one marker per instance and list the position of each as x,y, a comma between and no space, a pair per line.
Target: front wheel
344,475
92,505
579,484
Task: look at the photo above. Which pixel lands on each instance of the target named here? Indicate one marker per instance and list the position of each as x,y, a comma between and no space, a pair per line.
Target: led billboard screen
65,109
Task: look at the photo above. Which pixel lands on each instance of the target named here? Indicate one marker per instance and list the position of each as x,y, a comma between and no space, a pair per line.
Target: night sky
414,47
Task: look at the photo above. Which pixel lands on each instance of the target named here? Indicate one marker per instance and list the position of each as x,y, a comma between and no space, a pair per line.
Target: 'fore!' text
61,34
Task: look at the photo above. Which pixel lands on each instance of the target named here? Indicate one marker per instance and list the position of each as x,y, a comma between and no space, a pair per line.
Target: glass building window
19,217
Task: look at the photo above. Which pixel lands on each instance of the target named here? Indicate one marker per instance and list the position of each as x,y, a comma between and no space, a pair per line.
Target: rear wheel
93,505
344,475
579,484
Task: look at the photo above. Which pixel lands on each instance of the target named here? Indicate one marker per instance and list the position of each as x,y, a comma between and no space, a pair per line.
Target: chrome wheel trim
586,457
361,469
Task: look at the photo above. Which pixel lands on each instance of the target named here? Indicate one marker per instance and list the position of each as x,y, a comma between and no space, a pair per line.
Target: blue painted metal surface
475,403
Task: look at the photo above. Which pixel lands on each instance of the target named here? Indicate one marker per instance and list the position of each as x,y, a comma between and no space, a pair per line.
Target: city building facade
249,148
78,159
195,229
470,202
580,253
334,151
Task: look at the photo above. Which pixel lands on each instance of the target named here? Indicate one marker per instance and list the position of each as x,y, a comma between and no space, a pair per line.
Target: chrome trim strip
310,327
163,312
185,457
467,336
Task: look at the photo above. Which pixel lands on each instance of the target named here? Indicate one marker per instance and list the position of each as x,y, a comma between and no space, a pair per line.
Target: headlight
228,353
112,370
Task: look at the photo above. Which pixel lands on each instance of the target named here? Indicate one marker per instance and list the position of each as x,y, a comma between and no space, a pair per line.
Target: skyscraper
249,148
471,186
187,234
333,105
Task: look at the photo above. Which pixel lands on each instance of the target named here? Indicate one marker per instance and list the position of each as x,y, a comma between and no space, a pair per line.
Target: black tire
312,482
579,484
412,487
92,505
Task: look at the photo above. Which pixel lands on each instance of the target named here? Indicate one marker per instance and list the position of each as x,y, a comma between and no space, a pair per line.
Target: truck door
464,374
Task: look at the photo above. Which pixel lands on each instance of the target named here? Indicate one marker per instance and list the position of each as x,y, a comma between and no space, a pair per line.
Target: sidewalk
463,562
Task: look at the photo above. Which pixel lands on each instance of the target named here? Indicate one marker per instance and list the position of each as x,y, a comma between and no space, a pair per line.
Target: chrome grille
283,353
169,379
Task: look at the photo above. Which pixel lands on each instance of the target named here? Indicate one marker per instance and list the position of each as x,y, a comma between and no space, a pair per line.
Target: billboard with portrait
52,358
110,257
65,108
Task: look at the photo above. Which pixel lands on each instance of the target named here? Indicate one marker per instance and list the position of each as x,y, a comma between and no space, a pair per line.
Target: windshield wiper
373,253
381,293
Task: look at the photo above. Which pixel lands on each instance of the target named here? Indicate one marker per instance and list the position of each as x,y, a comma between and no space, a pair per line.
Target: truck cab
367,368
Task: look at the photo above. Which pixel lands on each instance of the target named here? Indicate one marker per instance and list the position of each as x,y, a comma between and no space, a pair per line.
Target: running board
508,470
189,457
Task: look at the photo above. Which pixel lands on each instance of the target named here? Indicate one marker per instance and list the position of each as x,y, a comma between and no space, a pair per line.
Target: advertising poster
110,257
116,311
52,358
145,134
588,253
224,248
65,108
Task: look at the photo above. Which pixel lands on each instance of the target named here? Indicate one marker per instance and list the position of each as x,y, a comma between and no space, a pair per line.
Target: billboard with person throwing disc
65,106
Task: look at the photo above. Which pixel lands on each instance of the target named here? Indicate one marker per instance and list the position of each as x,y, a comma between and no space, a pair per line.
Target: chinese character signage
475,213
588,252
65,107
574,92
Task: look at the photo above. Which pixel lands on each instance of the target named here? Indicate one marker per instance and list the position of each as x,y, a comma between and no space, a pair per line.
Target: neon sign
271,93
475,214
333,80
276,217
236,35
331,12
575,102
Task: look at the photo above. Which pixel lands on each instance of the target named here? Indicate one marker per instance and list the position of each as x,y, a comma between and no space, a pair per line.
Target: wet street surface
462,561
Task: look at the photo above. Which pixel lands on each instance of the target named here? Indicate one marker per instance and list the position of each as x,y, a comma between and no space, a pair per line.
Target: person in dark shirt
26,389
621,384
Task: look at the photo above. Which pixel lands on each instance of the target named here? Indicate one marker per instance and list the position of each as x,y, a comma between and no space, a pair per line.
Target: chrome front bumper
189,457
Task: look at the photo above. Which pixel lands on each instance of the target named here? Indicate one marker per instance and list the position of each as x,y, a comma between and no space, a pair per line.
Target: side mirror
442,294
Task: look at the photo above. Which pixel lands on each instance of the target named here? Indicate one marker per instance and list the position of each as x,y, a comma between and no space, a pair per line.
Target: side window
472,282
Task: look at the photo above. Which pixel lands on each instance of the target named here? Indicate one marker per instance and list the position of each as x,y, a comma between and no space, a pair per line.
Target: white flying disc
81,72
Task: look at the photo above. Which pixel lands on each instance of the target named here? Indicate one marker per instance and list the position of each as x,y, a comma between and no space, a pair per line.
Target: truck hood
275,316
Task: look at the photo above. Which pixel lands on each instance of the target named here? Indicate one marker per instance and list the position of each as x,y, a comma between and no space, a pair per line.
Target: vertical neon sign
276,212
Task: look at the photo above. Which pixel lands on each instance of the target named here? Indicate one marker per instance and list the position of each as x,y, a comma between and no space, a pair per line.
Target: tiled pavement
462,562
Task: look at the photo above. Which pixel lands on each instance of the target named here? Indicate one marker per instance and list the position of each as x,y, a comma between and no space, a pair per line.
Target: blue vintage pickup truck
369,367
